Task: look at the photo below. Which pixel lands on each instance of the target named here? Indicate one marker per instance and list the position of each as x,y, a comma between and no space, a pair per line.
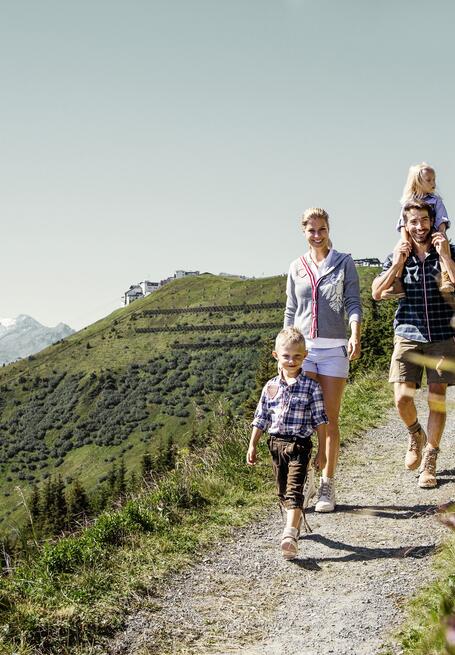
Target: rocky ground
346,592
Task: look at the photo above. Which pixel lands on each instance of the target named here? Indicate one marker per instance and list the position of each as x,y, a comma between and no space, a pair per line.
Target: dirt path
345,593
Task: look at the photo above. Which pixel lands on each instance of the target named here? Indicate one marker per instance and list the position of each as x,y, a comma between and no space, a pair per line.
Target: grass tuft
430,612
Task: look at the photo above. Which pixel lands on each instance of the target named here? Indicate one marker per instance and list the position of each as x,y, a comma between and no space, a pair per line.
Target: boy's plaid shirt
293,410
424,315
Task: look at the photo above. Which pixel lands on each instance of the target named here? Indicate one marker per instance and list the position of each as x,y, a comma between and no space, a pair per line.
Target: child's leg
445,283
290,462
299,457
293,517
297,472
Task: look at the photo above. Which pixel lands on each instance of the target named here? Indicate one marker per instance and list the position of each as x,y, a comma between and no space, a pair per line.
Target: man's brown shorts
410,358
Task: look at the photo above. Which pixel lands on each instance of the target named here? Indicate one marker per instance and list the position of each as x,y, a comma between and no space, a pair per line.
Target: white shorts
333,362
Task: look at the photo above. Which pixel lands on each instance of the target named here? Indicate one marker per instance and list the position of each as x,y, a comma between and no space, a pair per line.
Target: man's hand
401,252
441,244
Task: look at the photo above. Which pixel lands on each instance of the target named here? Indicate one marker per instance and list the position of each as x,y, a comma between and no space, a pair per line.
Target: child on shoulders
421,185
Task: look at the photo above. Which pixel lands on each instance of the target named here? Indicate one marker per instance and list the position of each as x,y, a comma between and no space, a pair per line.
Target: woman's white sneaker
326,495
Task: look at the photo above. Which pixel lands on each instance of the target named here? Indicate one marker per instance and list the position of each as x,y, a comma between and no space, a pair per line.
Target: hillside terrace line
213,308
221,327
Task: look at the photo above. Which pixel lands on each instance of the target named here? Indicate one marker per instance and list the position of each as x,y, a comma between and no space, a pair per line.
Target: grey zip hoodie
317,307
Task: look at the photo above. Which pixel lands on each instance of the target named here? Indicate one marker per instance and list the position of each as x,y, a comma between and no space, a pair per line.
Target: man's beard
423,239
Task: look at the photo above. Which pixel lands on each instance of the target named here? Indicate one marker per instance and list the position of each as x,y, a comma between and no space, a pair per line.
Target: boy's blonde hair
413,189
289,335
314,212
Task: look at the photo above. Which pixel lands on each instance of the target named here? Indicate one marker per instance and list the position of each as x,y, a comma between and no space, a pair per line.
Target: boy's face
290,356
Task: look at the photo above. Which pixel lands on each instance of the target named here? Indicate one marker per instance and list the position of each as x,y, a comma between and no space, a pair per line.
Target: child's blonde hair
289,335
314,212
413,189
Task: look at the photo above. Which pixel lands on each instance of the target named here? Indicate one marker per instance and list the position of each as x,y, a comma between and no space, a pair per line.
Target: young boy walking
290,409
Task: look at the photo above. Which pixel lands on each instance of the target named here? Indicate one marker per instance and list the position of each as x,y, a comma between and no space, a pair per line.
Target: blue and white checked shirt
292,410
424,315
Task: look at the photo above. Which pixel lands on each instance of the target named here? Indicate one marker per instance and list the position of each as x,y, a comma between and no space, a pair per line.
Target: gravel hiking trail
345,593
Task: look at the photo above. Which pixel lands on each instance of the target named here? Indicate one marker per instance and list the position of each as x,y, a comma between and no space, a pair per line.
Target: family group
313,350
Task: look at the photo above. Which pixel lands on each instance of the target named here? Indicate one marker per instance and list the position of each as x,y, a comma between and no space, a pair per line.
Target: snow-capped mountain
23,336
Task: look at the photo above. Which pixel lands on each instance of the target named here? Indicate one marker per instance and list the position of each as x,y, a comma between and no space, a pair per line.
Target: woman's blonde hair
413,189
314,212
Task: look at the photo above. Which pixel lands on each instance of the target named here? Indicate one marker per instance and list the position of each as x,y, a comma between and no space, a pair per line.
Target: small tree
266,369
146,466
78,504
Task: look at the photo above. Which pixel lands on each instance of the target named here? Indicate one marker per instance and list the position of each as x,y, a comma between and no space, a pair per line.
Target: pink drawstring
314,299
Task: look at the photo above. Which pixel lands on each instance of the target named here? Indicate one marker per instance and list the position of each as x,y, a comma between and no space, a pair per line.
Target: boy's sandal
289,543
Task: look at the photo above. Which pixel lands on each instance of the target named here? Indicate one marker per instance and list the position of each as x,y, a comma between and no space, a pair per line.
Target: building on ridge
134,293
148,287
179,274
372,261
145,288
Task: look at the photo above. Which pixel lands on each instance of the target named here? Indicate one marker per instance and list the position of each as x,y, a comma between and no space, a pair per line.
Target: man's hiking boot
289,543
309,488
416,443
326,495
395,291
427,470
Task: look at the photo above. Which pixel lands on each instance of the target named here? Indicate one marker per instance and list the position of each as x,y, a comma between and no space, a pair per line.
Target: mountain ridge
23,336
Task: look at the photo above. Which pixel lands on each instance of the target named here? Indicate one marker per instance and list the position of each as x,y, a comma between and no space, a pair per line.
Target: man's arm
443,249
400,254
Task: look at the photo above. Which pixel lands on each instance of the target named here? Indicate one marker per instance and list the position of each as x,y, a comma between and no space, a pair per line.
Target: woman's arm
291,300
353,307
352,300
354,341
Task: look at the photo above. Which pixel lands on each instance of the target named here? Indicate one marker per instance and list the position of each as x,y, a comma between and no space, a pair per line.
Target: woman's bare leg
332,390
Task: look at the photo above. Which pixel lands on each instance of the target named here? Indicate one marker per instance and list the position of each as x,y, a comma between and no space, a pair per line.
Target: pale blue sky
141,137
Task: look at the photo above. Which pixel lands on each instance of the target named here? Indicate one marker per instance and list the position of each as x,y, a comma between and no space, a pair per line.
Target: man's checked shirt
424,315
291,410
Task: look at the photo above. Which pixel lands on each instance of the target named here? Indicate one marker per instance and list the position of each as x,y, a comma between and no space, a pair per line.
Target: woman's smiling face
317,233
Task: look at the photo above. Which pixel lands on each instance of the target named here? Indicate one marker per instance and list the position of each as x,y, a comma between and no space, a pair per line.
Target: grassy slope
113,345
